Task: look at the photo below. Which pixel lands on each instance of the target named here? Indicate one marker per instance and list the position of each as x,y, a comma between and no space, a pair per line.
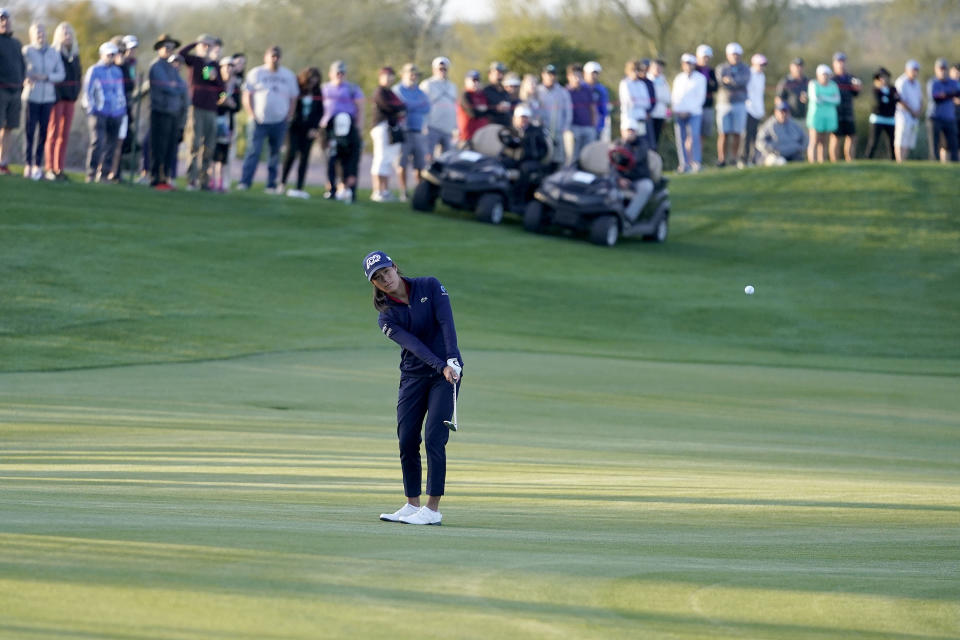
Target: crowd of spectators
415,118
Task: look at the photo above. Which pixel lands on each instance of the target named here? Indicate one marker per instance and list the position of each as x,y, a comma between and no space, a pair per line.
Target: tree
658,24
530,53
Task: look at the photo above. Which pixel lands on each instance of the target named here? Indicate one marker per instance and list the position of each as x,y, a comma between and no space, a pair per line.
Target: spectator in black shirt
793,89
885,100
846,130
498,98
304,129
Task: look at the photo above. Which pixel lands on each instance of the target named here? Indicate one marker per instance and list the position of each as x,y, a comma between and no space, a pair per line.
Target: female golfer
415,313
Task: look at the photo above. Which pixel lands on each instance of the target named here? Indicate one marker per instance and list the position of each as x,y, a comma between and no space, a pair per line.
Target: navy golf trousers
430,396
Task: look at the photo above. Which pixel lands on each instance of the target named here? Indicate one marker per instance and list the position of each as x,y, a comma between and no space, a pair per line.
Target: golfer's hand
450,375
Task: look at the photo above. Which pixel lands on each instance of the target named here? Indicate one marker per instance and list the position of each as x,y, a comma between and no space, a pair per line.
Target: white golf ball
748,289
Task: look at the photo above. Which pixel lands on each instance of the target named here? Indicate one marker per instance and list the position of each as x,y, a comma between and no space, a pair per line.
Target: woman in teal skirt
822,114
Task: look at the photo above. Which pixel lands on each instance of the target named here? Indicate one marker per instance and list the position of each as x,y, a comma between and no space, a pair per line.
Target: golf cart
586,199
475,178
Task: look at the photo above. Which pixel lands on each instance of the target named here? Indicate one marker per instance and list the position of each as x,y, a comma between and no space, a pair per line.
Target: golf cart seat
595,159
486,140
655,165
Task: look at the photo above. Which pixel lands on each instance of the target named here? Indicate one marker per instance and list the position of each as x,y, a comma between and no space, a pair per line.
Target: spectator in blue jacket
944,118
106,105
413,149
167,106
591,78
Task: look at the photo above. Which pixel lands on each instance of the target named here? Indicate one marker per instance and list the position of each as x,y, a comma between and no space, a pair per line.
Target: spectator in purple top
343,149
944,91
846,129
583,126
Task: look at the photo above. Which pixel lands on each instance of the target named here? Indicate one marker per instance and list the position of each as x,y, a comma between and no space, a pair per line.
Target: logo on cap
372,260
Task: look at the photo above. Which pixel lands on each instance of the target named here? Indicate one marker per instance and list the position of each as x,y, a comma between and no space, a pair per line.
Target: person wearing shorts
416,314
12,73
413,148
733,76
385,133
823,98
846,131
704,55
909,109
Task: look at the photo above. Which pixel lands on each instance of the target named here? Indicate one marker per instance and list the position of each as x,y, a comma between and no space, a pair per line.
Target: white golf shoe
406,510
424,515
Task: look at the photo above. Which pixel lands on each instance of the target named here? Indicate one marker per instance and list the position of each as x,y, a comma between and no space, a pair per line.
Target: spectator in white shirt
442,119
909,108
755,109
634,97
689,92
661,89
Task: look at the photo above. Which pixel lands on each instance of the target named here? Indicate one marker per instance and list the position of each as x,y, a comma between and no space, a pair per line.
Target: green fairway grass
197,427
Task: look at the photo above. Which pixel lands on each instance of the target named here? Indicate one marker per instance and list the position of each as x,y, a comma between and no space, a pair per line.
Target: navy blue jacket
424,328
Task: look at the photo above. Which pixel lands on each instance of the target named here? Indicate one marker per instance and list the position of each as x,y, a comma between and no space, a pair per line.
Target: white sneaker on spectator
402,197
406,510
425,515
274,191
49,175
37,174
377,196
241,186
192,186
297,193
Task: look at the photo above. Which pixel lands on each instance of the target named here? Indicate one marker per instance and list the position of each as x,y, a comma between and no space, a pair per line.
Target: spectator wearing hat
824,96
630,167
44,68
498,98
704,56
511,83
387,134
781,139
756,112
442,118
106,106
270,94
909,109
226,112
882,117
472,108
413,149
168,104
846,127
733,76
525,150
583,122
793,89
555,112
12,74
637,98
591,77
206,87
528,96
954,74
67,90
661,91
304,129
344,99
688,95
944,92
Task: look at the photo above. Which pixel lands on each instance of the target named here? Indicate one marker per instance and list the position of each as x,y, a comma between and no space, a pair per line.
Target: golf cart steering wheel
622,159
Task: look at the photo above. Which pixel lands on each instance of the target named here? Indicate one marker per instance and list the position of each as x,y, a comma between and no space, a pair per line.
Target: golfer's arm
412,344
444,316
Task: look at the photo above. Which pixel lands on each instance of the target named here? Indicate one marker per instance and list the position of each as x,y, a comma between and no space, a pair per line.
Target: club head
450,425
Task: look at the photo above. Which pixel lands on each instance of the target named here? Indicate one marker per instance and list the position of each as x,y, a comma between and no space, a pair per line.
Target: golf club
453,425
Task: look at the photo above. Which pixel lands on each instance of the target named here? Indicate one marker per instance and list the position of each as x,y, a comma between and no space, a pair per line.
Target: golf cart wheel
490,208
604,231
533,218
424,196
659,234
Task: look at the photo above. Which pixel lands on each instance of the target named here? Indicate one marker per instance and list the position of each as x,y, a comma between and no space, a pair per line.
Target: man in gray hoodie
733,76
12,73
168,103
556,110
